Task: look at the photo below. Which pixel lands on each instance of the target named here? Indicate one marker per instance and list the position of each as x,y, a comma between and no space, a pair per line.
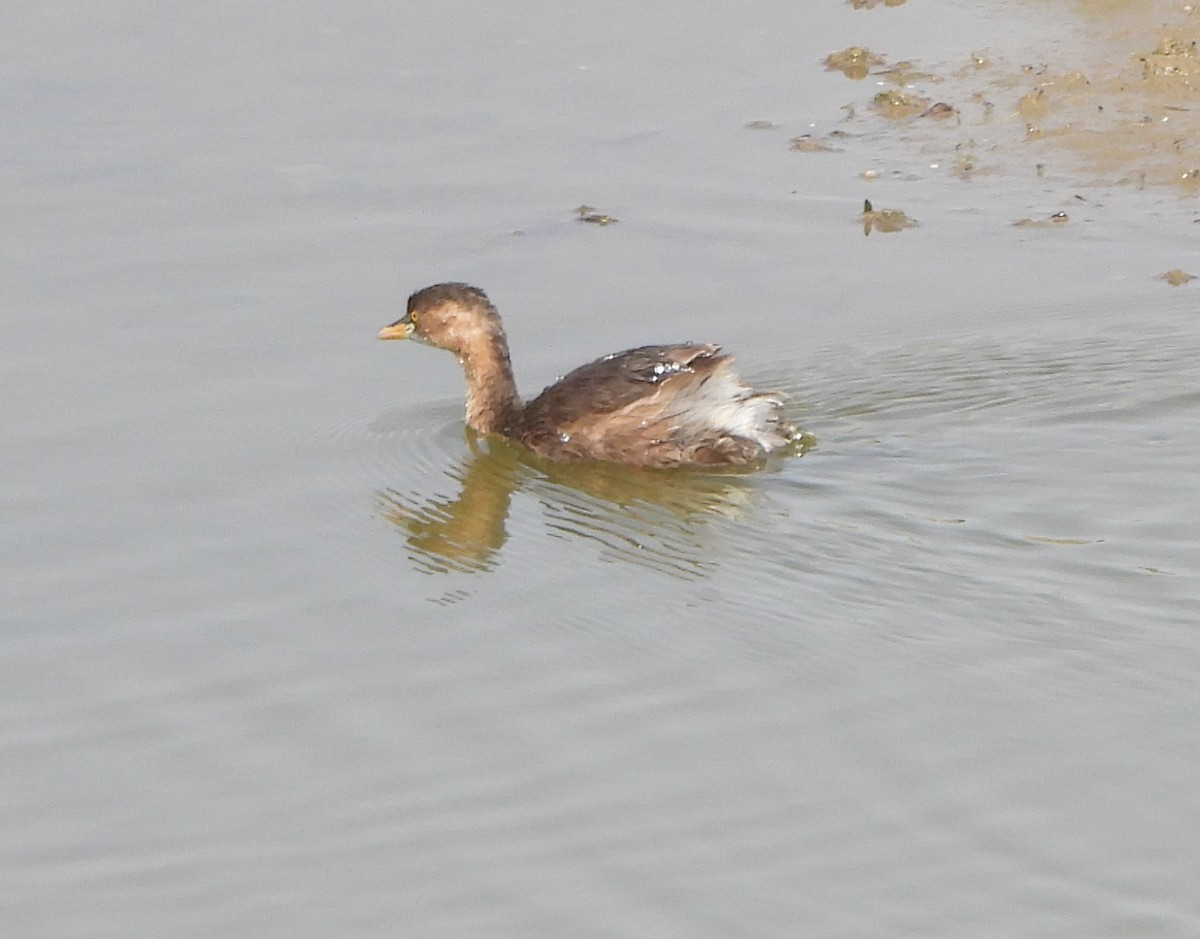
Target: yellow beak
400,329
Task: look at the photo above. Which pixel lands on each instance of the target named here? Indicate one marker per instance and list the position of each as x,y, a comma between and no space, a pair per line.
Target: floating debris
1058,218
1062,542
884,220
760,125
1129,118
1175,277
810,144
871,4
965,165
1169,45
939,111
1173,59
897,104
979,59
854,62
906,73
1032,105
588,213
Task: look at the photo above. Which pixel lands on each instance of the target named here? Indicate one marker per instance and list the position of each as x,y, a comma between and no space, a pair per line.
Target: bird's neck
492,402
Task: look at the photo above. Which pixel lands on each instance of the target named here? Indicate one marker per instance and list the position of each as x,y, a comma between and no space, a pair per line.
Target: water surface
286,653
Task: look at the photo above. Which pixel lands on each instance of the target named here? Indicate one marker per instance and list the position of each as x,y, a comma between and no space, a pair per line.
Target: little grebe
659,406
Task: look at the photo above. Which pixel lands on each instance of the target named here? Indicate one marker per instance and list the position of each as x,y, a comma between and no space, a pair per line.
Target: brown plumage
661,406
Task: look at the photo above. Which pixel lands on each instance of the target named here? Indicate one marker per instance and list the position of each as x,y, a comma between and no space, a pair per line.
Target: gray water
285,653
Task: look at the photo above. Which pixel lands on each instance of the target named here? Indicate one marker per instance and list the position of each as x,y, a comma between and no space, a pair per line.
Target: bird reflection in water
658,518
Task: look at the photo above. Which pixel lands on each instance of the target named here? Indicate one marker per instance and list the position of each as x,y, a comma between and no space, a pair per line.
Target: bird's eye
412,318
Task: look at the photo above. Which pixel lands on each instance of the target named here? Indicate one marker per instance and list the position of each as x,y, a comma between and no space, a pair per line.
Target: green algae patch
1176,277
854,62
588,213
896,105
887,221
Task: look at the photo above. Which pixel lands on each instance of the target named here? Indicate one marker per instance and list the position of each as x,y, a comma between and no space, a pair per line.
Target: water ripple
981,480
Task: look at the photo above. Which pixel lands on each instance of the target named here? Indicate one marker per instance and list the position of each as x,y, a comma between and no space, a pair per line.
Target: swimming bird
677,405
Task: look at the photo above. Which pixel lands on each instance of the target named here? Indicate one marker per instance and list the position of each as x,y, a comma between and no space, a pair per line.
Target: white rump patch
724,404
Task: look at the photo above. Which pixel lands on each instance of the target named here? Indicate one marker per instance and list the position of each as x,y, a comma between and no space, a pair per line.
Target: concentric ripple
949,471
986,482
